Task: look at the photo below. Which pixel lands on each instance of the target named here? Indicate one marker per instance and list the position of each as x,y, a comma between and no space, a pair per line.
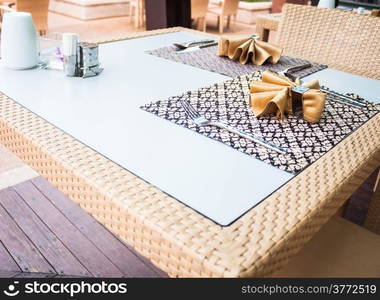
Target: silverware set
194,45
343,99
287,71
182,46
200,120
337,97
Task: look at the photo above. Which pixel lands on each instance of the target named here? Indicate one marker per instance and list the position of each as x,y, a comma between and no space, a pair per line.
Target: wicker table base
173,236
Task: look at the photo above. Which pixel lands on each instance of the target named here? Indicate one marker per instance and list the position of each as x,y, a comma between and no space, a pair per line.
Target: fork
202,121
182,46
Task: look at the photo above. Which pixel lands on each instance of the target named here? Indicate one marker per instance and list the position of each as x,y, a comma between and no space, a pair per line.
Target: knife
337,96
294,69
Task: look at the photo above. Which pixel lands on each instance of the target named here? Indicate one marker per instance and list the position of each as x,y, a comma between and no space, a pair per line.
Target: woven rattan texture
342,40
174,237
177,239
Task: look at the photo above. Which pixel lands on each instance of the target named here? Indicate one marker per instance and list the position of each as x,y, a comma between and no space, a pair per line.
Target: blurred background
108,18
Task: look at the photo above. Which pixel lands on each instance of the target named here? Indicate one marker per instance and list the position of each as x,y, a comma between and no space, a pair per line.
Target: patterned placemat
229,102
207,59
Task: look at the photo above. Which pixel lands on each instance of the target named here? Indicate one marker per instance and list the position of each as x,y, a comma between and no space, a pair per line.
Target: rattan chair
348,42
199,13
277,5
227,9
342,40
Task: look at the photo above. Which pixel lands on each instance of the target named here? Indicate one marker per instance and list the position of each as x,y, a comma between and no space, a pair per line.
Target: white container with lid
19,48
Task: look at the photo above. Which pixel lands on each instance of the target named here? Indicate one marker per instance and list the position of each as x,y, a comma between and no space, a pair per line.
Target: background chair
278,4
342,40
267,23
38,9
137,9
227,9
199,13
4,9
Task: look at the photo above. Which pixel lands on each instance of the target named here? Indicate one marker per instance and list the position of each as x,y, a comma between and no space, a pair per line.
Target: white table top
104,113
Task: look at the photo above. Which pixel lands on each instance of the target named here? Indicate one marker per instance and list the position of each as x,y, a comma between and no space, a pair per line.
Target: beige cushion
339,249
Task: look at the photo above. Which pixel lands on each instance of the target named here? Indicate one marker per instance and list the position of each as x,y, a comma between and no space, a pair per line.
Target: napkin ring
297,98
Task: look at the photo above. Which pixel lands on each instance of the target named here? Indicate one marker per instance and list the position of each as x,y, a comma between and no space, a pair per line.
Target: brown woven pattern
342,40
173,236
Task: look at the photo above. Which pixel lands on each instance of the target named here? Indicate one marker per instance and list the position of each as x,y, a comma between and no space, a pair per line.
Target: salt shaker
70,50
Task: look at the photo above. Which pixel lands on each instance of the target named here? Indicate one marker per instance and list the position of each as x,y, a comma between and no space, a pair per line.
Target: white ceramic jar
19,48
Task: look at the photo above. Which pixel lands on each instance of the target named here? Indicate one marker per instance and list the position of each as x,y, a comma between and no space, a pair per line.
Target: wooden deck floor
45,234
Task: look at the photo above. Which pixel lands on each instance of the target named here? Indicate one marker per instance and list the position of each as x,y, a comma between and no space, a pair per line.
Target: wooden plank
7,262
8,274
34,275
127,260
68,276
62,260
90,256
23,251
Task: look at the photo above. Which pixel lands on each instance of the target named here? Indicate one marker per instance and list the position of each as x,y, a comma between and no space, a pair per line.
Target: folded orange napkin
275,94
249,49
